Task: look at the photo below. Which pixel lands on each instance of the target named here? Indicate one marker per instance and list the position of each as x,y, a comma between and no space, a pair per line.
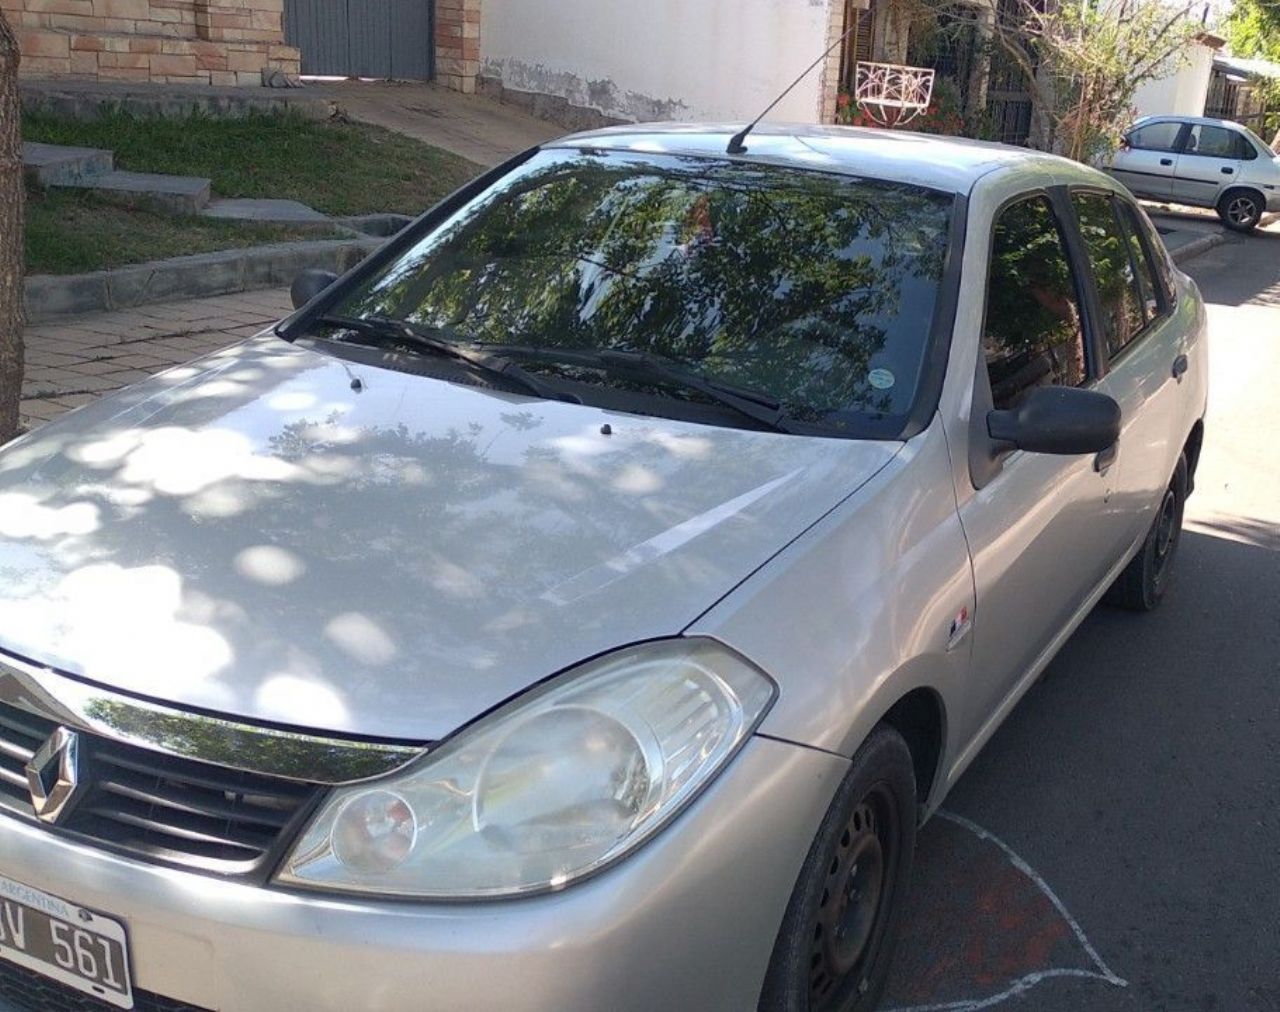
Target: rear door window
1212,142
1107,247
1159,256
1149,284
1032,335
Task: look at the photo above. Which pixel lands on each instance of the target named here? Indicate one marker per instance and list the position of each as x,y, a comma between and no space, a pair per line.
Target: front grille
20,736
20,989
159,807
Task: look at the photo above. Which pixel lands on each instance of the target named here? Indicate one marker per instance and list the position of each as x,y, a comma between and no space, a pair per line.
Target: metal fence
363,38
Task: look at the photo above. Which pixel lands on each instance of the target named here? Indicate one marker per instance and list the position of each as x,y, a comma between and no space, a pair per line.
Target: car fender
1241,184
871,603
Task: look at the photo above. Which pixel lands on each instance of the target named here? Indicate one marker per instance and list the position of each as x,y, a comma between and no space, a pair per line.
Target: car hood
253,535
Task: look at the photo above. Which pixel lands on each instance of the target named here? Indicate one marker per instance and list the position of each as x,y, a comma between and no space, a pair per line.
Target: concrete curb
1197,246
49,296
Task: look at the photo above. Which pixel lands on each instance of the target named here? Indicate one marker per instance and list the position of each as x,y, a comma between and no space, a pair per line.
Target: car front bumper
687,922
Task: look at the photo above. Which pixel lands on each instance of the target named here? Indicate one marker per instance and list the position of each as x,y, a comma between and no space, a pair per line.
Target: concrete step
174,194
58,165
254,209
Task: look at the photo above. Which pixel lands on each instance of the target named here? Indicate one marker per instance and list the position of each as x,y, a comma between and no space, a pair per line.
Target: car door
1208,163
1042,531
1143,347
1148,159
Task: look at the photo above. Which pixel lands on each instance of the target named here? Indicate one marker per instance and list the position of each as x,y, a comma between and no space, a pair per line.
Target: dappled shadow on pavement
1243,271
1245,530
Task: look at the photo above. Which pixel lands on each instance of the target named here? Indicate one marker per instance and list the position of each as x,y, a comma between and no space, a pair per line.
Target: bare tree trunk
12,254
975,107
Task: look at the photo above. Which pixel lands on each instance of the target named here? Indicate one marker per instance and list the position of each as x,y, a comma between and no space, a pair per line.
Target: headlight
550,788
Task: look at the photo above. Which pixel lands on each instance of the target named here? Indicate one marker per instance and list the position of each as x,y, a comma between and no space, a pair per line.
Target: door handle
1166,161
1180,366
1227,170
1106,458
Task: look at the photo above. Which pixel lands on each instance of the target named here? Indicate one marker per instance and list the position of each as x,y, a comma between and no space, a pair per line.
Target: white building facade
662,59
1182,92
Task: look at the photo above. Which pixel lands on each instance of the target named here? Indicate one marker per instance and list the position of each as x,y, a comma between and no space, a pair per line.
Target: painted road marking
988,930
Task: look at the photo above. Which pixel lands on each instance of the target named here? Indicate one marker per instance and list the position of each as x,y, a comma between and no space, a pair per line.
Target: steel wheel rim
1165,525
855,900
1240,210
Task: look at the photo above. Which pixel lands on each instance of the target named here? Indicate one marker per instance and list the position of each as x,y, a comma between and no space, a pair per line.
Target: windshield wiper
648,367
388,330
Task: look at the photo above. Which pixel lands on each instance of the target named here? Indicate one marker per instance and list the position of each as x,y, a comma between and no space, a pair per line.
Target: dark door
363,38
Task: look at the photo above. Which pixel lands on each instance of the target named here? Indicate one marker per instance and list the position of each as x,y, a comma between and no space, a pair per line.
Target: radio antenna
737,145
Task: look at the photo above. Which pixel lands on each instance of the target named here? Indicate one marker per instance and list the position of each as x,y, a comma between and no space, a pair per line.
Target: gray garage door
363,38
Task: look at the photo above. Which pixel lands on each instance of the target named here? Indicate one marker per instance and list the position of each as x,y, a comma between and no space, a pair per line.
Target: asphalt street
1116,846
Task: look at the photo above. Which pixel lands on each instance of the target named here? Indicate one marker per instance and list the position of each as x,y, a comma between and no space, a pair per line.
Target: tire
1240,210
835,945
1145,580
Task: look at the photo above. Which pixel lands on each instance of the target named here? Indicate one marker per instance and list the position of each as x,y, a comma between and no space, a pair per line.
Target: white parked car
579,605
1203,162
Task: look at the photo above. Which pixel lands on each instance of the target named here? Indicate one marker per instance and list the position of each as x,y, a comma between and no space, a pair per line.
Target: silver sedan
1203,162
581,603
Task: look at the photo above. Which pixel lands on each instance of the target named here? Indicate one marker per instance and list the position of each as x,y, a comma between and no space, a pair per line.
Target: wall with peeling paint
660,59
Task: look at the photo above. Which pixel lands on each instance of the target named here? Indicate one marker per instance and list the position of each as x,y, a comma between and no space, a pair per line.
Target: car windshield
810,290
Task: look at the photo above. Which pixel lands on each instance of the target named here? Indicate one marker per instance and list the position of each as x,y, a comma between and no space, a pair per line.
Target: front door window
1033,334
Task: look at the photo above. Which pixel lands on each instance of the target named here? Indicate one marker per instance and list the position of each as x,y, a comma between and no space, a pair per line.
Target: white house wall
660,59
1181,93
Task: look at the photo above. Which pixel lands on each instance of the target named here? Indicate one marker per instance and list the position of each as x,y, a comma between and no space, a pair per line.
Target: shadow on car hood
251,535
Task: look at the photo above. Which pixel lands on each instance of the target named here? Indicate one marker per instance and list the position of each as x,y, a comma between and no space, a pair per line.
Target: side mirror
1064,420
307,285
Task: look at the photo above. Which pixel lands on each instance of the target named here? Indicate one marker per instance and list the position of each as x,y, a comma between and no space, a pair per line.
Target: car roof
950,164
1202,120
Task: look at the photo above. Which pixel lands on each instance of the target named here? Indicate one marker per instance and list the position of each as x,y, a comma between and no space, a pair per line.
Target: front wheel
1144,581
836,942
1240,210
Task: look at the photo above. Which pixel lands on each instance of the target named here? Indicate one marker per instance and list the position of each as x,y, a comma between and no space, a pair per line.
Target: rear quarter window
1244,149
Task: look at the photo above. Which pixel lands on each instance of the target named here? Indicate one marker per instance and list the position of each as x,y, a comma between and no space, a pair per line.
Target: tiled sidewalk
72,361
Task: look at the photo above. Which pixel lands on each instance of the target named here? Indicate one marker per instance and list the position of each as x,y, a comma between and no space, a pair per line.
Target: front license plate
65,942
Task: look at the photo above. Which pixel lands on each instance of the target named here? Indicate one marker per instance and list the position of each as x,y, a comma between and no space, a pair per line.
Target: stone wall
225,42
838,21
458,44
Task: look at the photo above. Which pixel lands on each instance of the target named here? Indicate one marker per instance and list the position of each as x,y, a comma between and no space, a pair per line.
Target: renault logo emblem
53,773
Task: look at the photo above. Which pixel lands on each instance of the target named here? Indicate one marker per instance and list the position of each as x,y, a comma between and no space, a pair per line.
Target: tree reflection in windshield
814,288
